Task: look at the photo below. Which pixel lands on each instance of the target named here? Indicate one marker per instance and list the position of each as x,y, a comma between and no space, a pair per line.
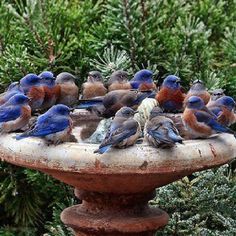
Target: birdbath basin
115,187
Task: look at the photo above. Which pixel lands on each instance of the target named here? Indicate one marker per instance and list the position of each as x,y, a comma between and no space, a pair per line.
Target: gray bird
118,81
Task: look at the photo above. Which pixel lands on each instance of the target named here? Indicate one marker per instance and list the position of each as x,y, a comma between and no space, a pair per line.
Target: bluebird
69,90
119,81
94,86
15,113
13,89
198,89
143,81
200,121
161,131
51,89
223,108
32,88
124,131
54,126
170,97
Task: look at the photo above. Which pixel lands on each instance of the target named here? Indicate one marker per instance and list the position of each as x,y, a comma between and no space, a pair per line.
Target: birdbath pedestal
115,187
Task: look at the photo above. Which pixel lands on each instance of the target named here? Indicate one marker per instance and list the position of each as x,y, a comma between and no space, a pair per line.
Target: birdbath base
113,214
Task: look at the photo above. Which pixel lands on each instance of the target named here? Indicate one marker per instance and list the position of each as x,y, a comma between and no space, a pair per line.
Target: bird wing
8,113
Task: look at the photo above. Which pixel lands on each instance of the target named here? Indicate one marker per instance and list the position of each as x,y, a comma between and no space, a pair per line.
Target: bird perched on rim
69,91
143,81
15,113
94,86
33,89
124,131
170,97
160,131
108,105
13,89
198,89
223,108
54,126
51,89
118,81
200,121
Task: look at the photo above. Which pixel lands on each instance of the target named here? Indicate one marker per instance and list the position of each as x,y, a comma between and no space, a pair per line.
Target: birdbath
115,187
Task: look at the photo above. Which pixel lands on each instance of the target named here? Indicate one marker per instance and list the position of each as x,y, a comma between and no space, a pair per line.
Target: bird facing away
198,89
223,108
33,89
170,97
124,131
69,91
54,126
13,89
143,81
160,131
51,89
200,121
119,81
15,113
94,86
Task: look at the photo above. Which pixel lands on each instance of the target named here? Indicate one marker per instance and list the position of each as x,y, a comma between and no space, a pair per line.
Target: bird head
172,82
156,111
47,77
125,112
18,99
60,109
217,93
195,102
226,101
30,80
65,77
13,86
197,85
143,75
94,76
119,76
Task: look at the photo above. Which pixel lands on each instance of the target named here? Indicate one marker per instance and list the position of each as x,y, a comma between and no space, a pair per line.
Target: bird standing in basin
198,89
119,81
200,121
124,131
143,81
51,89
223,108
69,91
13,89
33,89
54,126
94,86
15,113
170,97
160,131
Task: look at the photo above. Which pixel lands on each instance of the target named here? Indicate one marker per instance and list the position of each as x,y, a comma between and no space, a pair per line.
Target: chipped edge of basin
140,158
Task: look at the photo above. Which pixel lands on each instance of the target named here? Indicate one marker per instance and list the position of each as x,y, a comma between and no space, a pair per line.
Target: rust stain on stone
213,151
144,165
98,164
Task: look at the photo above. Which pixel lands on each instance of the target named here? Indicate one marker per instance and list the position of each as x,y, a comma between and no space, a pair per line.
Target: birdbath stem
114,214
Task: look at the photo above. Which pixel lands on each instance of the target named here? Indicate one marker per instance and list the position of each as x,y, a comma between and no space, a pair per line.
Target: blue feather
88,104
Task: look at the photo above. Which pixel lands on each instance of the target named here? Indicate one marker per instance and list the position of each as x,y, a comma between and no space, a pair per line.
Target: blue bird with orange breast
32,88
160,131
119,81
170,97
124,131
13,89
54,126
69,92
198,89
15,113
223,108
94,86
143,81
200,121
51,89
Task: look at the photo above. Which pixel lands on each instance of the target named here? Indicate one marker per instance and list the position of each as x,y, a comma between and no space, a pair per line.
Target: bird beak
136,112
71,109
178,80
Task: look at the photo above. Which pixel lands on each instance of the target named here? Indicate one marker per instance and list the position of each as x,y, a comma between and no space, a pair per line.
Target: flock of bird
203,114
